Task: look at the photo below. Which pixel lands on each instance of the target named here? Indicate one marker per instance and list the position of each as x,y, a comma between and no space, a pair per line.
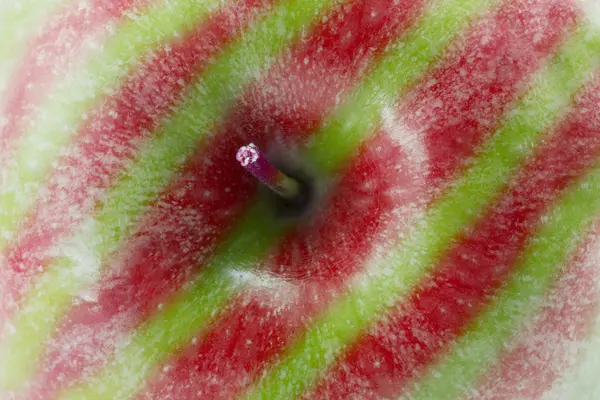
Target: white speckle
592,10
411,142
32,164
11,329
7,235
88,295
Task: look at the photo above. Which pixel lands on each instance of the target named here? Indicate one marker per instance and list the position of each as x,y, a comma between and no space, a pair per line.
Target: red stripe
48,57
110,140
256,329
458,105
318,258
416,333
211,191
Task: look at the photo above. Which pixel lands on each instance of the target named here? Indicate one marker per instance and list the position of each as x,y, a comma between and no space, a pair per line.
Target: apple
447,247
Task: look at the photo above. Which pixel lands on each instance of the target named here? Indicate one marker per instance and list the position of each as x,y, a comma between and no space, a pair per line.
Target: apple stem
254,161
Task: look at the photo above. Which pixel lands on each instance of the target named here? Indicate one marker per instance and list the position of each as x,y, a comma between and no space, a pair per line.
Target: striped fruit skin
451,252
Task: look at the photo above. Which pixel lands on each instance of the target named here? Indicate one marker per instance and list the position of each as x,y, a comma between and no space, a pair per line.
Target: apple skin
431,134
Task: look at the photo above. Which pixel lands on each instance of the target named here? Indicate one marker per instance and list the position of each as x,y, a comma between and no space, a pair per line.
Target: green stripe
481,346
404,267
254,236
158,163
61,115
